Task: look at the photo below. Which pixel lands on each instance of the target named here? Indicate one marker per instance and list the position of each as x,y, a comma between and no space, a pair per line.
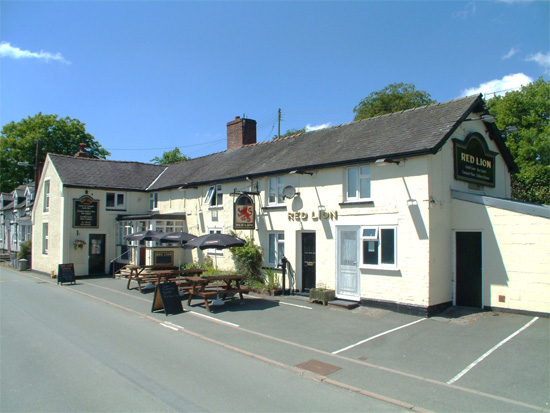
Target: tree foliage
172,156
291,132
529,110
393,98
58,135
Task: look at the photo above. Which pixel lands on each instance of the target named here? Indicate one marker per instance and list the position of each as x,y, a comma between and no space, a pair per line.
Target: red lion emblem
245,213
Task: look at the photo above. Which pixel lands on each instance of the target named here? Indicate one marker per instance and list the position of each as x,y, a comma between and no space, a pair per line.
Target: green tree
393,98
172,156
529,110
57,135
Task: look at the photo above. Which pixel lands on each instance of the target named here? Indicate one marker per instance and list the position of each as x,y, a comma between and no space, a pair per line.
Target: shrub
248,260
25,250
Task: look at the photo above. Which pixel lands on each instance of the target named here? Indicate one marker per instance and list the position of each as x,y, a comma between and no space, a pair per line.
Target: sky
146,77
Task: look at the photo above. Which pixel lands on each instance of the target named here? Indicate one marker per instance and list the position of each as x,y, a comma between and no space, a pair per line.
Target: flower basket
78,244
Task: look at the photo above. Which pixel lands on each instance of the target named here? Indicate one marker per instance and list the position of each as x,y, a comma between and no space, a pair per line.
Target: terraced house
409,211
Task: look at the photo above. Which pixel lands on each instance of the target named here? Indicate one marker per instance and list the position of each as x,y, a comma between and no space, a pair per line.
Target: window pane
370,252
388,246
369,232
120,200
352,183
365,188
272,190
271,248
110,200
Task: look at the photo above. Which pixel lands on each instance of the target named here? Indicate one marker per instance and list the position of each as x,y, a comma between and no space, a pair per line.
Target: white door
347,279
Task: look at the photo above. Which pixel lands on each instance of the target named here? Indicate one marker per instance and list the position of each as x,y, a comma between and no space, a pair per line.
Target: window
378,246
169,226
214,196
115,201
275,248
212,251
275,190
153,201
45,238
46,196
358,183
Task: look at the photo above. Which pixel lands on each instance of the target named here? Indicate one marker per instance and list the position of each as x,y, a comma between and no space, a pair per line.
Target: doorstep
344,304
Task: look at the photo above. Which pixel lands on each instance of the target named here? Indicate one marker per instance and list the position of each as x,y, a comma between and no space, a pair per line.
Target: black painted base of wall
415,310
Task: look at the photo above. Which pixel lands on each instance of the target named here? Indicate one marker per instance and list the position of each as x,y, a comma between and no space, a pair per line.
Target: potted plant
271,282
322,294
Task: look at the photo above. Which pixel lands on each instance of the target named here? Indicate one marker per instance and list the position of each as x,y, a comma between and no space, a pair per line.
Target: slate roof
98,173
403,134
412,132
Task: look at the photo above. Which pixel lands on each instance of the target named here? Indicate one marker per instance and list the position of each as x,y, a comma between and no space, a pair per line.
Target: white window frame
214,196
375,241
47,195
154,201
275,241
362,176
275,186
45,238
116,198
214,251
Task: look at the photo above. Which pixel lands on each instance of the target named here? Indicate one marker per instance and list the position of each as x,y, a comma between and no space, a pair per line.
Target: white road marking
169,326
214,318
378,335
296,305
475,363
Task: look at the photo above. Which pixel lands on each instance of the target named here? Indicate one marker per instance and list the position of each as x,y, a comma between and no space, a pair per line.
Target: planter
322,295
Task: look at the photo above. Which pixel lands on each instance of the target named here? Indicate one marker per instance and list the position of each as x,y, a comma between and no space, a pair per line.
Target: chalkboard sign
65,273
167,298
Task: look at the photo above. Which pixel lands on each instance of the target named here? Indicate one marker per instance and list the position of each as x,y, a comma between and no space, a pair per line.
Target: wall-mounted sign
85,212
474,162
244,213
315,215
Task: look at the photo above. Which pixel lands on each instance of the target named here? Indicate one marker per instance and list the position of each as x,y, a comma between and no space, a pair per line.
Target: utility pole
279,123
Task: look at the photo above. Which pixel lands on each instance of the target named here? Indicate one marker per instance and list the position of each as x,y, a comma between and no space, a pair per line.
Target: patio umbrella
179,237
144,236
219,242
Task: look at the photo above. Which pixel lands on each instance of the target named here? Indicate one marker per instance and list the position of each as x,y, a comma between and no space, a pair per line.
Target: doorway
468,281
96,262
308,261
348,277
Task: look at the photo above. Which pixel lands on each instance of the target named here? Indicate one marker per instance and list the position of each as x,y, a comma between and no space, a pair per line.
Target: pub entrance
468,274
308,261
96,262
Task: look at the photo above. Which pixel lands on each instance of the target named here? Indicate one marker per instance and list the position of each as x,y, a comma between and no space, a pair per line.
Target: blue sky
148,76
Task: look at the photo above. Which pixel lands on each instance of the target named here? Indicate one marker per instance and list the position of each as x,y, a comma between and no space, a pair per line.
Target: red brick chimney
82,152
241,132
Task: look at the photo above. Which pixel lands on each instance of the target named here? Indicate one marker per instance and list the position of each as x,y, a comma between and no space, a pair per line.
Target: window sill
379,268
356,203
215,208
115,209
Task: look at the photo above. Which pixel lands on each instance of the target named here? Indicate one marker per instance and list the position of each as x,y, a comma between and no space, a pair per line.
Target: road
62,351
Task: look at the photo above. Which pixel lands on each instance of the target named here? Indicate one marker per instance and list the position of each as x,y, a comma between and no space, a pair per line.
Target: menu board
85,212
167,297
65,273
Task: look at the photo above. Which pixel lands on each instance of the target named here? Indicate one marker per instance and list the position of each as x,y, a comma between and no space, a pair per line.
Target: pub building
410,211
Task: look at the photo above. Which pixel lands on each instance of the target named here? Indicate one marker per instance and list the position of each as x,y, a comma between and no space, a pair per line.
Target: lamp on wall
300,172
386,161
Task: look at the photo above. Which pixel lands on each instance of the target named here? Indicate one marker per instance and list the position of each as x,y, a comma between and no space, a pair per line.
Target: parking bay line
475,363
376,336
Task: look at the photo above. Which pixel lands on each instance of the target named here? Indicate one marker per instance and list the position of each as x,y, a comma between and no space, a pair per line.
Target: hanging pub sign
85,212
244,214
474,162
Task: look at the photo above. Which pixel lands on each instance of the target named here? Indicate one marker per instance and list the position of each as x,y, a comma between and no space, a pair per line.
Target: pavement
462,360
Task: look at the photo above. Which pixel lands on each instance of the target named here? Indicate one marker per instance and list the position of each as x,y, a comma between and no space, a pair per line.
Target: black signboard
65,273
85,212
167,298
244,214
474,162
164,257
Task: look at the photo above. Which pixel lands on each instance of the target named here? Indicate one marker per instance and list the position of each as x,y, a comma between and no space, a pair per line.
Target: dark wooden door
96,262
468,269
308,261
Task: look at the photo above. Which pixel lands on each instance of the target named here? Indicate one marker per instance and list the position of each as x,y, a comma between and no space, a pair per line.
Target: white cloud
9,51
310,128
469,10
542,59
499,86
511,53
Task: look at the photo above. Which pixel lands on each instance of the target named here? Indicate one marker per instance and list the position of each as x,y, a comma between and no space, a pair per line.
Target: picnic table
137,272
219,285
